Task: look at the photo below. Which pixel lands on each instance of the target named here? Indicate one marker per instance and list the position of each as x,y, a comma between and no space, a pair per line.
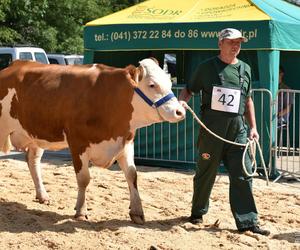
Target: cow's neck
143,115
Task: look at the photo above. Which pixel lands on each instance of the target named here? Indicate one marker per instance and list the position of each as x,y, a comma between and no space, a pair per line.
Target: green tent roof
195,24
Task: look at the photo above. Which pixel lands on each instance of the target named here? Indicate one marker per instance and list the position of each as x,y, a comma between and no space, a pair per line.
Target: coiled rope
251,145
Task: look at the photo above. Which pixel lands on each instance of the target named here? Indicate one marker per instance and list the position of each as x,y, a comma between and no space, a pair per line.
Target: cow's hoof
42,200
138,219
81,217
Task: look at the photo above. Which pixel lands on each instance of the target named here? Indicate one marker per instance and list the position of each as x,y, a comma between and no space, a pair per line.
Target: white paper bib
225,99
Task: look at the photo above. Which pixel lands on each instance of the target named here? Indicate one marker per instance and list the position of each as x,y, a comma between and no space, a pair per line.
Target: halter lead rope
251,144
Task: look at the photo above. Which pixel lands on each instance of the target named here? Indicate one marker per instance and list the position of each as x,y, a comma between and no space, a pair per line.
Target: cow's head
154,94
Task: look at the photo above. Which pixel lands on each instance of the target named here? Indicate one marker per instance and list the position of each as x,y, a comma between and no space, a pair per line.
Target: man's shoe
256,230
196,220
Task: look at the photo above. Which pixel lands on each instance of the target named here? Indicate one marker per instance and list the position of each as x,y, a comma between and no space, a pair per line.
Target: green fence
169,144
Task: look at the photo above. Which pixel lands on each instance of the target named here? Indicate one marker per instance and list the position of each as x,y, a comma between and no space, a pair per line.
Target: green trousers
211,152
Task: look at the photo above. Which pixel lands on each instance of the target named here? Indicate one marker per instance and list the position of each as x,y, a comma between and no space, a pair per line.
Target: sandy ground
166,195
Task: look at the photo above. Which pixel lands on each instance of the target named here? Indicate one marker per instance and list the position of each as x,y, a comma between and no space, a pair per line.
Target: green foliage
55,25
8,36
3,9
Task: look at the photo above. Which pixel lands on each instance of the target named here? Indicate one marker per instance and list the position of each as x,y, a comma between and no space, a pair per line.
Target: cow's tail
7,146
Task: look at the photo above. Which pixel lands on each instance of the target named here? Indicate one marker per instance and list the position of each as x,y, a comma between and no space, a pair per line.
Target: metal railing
168,144
263,103
286,153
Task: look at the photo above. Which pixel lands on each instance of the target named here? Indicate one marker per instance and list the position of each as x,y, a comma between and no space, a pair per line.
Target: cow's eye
152,85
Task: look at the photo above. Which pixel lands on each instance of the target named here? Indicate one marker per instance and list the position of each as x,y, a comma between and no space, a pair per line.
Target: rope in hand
251,144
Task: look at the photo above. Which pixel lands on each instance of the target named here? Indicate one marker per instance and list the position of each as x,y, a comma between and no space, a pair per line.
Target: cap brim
238,37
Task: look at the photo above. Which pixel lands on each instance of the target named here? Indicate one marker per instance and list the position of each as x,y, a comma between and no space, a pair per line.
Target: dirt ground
166,195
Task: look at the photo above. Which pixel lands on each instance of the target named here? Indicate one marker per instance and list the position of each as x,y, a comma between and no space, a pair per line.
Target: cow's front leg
126,162
83,179
33,156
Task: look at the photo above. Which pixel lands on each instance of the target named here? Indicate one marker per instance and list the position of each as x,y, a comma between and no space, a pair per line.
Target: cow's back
51,101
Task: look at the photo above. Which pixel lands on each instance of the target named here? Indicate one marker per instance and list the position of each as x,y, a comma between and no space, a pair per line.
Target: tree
7,34
55,25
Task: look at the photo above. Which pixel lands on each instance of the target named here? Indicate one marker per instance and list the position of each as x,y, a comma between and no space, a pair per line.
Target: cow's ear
136,73
140,73
155,60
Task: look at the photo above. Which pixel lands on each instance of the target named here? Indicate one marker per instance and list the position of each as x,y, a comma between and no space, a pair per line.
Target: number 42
225,101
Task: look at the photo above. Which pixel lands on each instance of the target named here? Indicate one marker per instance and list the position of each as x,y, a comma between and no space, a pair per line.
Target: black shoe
256,230
196,220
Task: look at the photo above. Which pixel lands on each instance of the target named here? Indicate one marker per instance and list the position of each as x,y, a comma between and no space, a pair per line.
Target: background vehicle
65,59
9,54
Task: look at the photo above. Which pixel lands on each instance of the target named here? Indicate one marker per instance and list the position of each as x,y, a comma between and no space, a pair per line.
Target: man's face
280,76
230,47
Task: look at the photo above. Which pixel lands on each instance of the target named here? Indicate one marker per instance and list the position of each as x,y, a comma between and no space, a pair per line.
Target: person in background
285,100
225,83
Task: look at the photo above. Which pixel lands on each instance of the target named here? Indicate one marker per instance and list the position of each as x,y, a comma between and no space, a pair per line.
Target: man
285,100
225,82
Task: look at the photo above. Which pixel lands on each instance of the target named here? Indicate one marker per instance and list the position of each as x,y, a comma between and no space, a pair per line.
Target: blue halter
151,103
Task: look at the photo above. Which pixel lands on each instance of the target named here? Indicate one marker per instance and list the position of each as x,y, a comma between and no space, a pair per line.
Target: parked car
9,54
65,59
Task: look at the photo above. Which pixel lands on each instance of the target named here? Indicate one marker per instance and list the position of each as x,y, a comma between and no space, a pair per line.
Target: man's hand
253,134
185,95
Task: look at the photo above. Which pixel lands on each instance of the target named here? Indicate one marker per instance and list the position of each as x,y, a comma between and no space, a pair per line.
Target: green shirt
215,72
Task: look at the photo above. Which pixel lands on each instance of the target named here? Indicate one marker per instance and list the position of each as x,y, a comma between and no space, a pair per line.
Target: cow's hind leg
81,166
126,162
34,155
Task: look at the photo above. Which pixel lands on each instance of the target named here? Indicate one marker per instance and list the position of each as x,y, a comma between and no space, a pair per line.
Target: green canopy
190,29
195,24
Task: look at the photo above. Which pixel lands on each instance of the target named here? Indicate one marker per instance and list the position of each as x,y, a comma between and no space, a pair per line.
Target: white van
9,54
65,59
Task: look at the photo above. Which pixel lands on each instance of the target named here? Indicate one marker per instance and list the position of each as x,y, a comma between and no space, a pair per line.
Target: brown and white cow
92,109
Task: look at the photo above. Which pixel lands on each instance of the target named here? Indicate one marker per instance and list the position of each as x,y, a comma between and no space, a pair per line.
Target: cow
94,110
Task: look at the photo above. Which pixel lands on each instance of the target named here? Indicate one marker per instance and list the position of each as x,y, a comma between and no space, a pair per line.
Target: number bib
225,99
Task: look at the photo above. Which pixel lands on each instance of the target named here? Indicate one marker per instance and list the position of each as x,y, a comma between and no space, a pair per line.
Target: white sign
225,99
